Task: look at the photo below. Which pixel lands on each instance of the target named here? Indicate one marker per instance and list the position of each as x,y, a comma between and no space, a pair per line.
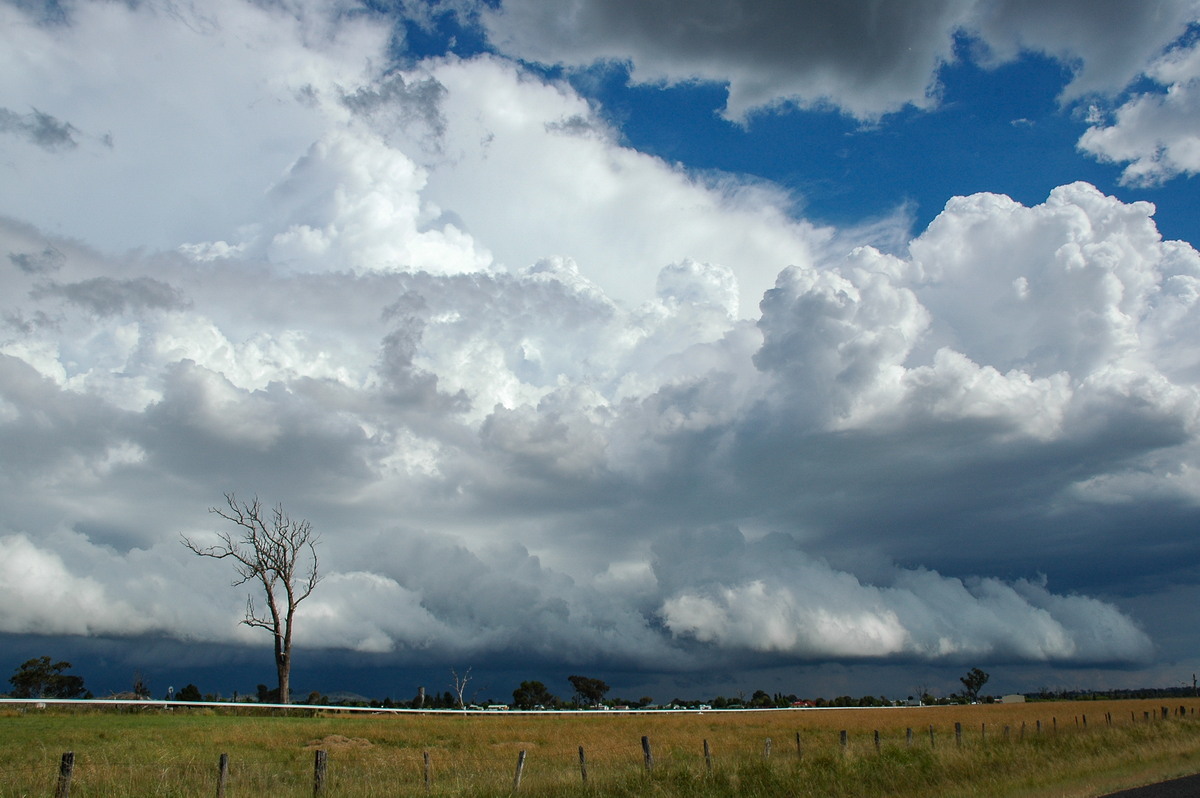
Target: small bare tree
281,555
460,686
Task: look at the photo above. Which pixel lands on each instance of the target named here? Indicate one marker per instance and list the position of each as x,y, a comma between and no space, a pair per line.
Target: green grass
157,753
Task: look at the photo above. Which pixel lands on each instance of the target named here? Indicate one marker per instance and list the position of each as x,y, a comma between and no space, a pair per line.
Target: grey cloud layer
865,57
450,329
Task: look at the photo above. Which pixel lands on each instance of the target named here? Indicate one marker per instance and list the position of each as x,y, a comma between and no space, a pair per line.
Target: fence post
319,761
958,734
1039,726
908,737
222,774
931,744
428,772
582,765
983,732
646,754
520,768
877,749
707,758
1085,721
65,769
799,747
845,740
1007,732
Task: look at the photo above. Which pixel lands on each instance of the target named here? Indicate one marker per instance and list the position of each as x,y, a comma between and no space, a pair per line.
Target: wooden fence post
908,737
520,769
319,762
646,754
65,768
1039,726
845,740
582,765
799,747
983,732
222,774
1085,721
958,734
428,772
707,758
767,749
931,744
877,747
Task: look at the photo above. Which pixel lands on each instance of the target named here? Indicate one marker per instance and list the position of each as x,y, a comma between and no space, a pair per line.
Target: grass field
175,753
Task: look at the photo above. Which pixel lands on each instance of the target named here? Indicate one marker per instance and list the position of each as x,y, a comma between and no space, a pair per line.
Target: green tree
189,693
281,555
41,678
974,682
591,691
533,694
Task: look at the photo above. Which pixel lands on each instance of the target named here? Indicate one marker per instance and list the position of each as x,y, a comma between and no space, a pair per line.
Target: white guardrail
42,703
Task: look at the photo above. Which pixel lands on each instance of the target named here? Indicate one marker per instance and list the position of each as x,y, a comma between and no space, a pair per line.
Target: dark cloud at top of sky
44,10
39,128
864,57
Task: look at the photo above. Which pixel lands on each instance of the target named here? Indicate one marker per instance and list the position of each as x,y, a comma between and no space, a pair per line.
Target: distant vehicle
497,707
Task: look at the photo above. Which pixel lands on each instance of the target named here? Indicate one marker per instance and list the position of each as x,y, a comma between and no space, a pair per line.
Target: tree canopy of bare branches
278,553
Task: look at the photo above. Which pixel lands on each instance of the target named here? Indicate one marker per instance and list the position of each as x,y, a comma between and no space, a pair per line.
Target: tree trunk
284,688
283,667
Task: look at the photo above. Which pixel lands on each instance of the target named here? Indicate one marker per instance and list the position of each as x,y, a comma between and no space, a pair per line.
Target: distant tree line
42,677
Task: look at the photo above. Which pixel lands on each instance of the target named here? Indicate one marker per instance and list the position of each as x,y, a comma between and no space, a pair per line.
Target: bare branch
281,555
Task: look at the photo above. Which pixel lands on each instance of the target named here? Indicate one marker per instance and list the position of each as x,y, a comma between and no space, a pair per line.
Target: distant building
1013,698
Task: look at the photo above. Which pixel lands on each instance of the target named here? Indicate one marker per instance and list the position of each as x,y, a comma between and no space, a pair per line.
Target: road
1186,787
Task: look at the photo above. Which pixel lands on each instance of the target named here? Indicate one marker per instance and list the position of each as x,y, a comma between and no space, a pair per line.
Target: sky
826,349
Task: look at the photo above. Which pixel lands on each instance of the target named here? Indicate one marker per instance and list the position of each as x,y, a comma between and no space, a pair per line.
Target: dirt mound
337,742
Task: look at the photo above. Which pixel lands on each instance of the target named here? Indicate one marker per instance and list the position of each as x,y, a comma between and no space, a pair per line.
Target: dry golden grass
175,753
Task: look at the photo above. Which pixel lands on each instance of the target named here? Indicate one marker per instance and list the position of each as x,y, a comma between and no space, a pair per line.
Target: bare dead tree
281,555
460,686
